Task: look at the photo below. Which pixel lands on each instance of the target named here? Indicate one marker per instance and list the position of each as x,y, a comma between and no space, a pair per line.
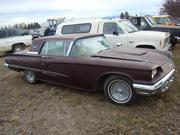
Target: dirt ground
47,109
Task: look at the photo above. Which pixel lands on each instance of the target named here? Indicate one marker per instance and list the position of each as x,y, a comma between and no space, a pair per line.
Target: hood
167,27
138,55
152,34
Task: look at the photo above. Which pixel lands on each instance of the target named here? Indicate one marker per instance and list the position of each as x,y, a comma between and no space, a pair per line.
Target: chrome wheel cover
30,76
119,91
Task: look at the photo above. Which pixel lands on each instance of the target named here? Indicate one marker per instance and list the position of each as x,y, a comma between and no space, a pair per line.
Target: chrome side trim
32,52
150,89
38,70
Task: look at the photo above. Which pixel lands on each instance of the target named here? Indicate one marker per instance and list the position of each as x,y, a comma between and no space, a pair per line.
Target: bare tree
171,7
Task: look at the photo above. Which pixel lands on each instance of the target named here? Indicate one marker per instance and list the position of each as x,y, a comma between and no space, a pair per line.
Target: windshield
129,27
151,20
89,46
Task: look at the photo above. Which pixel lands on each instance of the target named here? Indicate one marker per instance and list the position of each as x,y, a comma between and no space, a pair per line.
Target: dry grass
46,109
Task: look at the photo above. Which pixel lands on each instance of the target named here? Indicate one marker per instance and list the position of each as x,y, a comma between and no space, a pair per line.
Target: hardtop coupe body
91,63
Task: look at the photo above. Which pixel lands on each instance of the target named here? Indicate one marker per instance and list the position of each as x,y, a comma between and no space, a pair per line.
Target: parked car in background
12,39
164,20
147,23
91,63
36,33
117,32
175,20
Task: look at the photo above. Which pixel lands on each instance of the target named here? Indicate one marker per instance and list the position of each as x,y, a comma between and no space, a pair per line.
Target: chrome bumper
158,87
6,65
177,37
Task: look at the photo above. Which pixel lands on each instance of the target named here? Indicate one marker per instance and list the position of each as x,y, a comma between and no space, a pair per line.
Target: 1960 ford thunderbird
91,63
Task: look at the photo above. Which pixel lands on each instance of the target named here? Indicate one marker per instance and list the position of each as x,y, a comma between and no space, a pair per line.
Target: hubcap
120,91
30,76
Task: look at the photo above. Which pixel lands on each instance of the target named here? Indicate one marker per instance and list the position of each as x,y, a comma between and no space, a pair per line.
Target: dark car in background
91,63
147,23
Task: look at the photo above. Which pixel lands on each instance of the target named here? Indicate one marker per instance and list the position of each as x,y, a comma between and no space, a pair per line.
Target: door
115,34
55,64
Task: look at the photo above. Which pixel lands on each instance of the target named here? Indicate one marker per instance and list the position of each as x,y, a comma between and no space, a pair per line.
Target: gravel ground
47,109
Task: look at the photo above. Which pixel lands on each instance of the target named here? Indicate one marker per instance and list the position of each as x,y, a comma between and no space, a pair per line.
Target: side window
109,28
79,49
77,28
134,21
55,48
69,29
2,34
83,28
44,48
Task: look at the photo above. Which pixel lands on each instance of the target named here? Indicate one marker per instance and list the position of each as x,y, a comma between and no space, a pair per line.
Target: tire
18,48
119,90
30,77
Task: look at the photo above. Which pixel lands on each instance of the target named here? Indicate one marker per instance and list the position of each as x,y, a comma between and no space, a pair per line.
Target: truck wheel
119,90
18,48
30,76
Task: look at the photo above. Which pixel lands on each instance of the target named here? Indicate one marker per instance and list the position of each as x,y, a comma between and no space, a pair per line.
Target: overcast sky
13,11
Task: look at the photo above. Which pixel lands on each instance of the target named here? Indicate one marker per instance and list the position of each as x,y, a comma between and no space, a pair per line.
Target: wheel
119,90
18,48
30,76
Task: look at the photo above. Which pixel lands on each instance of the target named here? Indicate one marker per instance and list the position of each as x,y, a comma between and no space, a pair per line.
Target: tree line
34,25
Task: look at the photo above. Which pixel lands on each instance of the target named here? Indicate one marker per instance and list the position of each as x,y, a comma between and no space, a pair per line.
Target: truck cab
120,33
147,23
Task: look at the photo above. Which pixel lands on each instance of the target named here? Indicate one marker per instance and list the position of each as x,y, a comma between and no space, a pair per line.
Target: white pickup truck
118,32
12,39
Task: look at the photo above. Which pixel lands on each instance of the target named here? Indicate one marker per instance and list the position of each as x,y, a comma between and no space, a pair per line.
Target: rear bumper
6,65
158,87
177,37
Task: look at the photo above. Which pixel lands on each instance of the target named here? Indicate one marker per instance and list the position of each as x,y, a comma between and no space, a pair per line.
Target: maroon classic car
91,63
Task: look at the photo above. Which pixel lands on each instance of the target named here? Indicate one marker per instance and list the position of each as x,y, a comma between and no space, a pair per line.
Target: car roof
80,21
37,43
69,37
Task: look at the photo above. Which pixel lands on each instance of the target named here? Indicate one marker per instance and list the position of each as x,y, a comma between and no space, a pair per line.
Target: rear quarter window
58,47
77,28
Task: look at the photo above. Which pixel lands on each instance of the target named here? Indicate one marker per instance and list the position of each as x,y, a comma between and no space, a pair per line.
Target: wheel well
103,78
146,46
35,36
17,44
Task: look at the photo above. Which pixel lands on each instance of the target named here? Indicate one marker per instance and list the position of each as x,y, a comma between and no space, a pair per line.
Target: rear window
77,28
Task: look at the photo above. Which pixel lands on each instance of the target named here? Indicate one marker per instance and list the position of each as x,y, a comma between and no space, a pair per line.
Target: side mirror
115,33
119,44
